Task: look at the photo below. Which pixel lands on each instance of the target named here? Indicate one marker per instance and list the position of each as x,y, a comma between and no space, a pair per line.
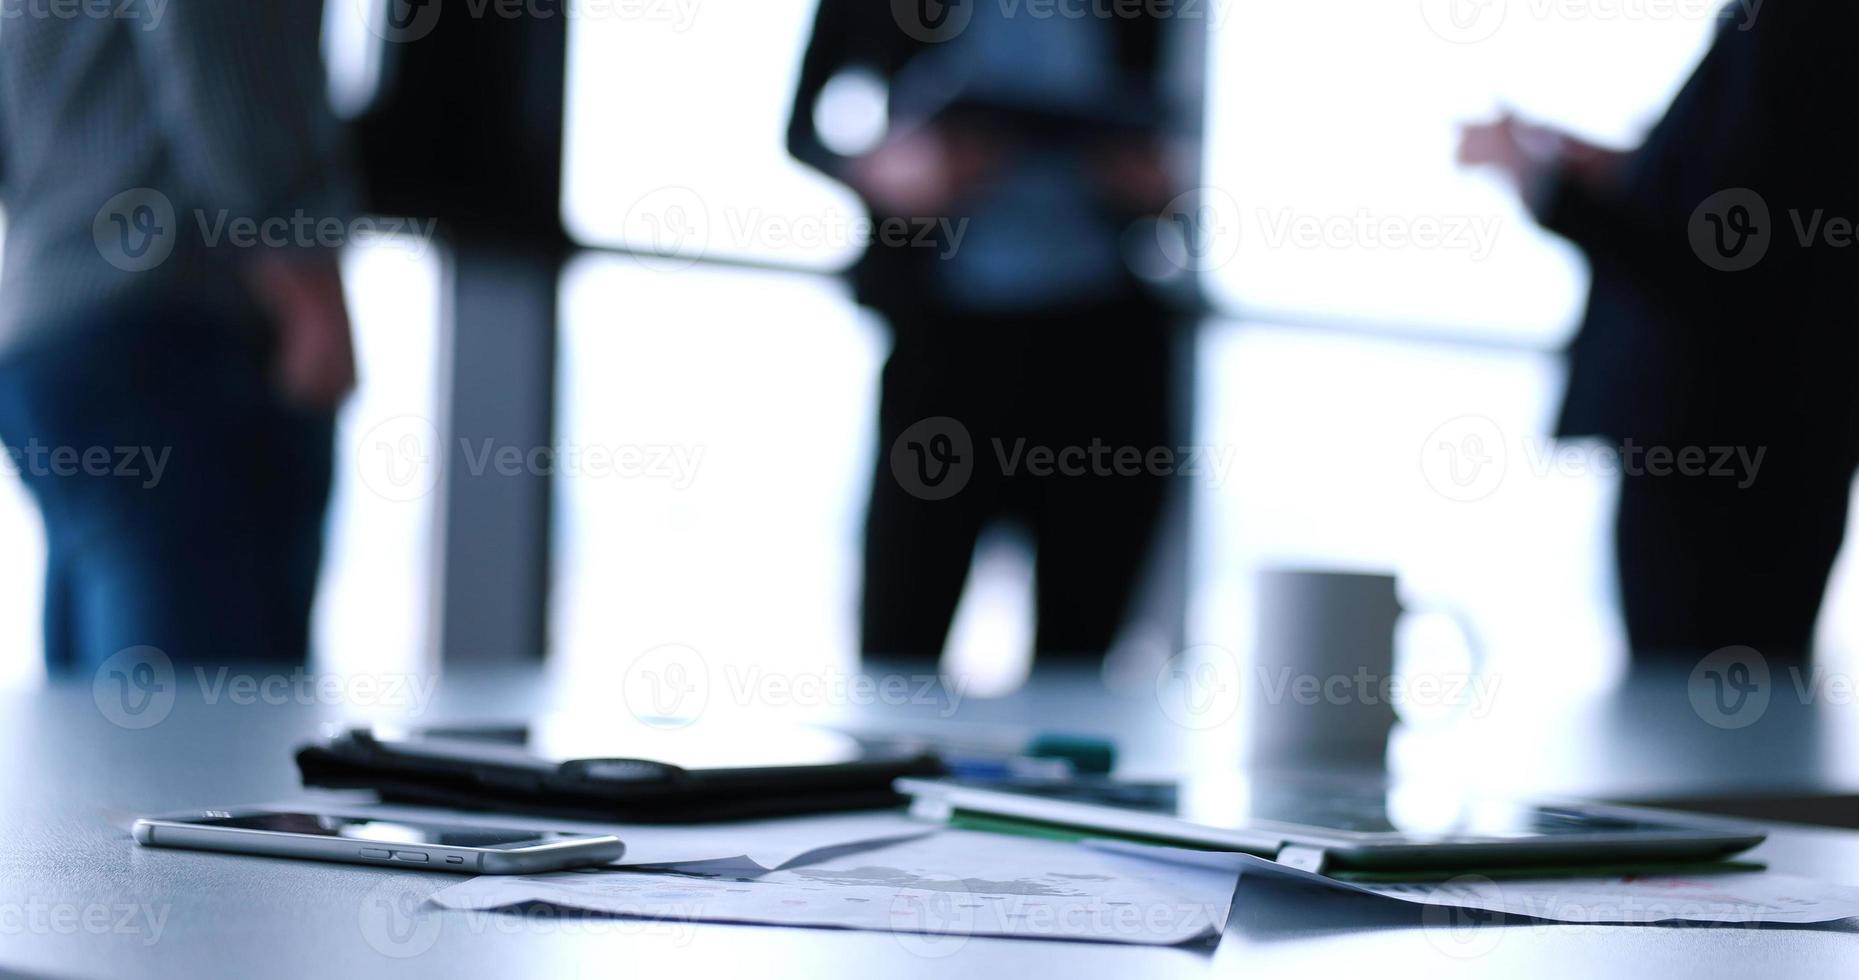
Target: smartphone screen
383,831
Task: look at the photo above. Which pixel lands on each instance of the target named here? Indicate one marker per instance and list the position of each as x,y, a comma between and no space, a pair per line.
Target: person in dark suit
1720,328
1033,144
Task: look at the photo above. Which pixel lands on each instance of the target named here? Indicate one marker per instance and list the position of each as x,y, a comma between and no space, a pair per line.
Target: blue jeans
183,499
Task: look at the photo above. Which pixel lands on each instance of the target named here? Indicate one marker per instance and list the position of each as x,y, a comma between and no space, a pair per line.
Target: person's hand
924,171
1525,151
315,366
1501,144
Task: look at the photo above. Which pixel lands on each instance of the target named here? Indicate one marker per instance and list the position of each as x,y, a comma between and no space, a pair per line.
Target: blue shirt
1038,235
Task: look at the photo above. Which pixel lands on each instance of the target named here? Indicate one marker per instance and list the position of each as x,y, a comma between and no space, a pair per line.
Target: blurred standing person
1029,145
1720,327
137,323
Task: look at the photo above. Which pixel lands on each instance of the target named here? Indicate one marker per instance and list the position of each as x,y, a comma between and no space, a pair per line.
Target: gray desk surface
79,898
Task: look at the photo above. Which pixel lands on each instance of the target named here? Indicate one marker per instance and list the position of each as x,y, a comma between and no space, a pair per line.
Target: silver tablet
1324,825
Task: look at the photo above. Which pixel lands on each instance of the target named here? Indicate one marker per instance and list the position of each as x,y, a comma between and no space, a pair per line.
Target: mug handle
1468,631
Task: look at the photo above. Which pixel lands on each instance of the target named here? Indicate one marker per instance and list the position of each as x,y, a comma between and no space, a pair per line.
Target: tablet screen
1345,809
553,739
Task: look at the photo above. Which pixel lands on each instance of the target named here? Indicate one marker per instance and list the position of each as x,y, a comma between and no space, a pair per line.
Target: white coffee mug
1322,685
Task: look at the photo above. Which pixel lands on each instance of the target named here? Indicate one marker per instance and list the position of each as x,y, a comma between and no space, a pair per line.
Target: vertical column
499,396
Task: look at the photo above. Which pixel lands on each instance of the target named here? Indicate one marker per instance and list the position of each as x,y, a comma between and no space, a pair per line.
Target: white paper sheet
1735,897
952,884
763,845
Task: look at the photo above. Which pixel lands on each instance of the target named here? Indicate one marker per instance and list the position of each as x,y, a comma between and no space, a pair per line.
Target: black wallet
489,769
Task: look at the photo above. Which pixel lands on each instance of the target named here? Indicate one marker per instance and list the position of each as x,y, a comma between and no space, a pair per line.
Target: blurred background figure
1354,316
1720,324
1020,151
166,384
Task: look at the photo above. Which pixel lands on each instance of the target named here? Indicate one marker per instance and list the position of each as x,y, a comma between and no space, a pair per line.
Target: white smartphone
366,840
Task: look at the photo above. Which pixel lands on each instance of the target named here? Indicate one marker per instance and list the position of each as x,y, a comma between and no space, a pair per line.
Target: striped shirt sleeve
239,89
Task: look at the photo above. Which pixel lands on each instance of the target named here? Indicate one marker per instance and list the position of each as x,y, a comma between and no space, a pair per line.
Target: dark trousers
971,408
213,557
1705,564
